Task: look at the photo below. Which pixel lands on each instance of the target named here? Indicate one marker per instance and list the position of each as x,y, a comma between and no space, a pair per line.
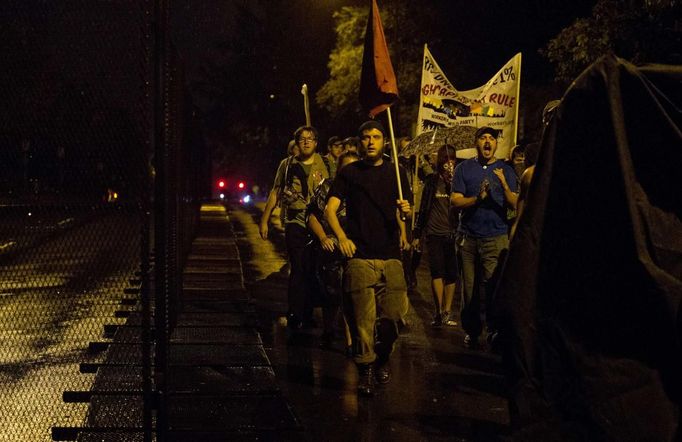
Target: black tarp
589,297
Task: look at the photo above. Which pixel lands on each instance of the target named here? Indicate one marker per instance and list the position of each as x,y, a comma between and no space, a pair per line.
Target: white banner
494,104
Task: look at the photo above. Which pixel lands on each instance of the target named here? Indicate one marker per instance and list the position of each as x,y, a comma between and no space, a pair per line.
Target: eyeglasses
305,139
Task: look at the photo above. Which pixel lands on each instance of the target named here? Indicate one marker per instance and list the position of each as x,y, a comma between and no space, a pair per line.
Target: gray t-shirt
442,217
300,180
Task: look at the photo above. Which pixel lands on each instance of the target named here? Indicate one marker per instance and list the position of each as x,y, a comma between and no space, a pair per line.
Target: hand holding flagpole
394,150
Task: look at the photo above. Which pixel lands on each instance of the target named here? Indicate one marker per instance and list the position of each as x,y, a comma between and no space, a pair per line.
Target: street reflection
439,391
56,298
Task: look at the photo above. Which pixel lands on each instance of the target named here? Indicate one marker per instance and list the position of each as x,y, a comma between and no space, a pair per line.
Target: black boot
365,379
386,334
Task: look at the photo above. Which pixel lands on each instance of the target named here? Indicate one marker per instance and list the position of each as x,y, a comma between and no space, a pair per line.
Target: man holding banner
482,188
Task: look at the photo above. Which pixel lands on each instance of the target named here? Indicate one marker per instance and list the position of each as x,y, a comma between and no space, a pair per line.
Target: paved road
55,298
439,390
27,225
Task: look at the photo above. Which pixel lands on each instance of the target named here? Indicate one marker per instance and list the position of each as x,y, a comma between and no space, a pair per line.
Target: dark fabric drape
589,298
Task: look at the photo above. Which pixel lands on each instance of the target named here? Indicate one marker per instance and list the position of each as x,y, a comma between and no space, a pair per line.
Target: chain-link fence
101,166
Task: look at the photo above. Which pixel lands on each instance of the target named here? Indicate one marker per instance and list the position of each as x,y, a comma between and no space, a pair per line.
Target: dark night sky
494,30
89,51
299,35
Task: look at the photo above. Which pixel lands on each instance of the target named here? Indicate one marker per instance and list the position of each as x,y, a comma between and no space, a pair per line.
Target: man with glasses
294,185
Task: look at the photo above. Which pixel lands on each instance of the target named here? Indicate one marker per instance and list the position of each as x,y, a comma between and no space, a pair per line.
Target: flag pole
395,154
518,96
415,188
415,172
306,104
420,113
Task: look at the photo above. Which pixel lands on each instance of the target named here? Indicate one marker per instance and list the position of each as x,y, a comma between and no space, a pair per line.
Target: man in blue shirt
482,189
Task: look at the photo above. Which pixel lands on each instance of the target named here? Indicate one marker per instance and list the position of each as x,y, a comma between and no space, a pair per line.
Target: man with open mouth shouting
482,189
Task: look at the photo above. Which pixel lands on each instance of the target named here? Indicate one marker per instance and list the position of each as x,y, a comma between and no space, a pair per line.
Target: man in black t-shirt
375,291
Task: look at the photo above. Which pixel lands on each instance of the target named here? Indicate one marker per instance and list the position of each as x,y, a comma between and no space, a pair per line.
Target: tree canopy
407,29
639,30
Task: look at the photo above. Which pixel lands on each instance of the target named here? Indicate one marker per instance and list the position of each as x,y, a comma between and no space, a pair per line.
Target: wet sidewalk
235,374
439,391
220,382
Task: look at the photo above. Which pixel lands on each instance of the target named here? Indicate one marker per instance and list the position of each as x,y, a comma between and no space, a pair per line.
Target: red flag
378,86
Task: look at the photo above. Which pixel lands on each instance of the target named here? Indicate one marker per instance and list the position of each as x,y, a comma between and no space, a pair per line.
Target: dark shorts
442,258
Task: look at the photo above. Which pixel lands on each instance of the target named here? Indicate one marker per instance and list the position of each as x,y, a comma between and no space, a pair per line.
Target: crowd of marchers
353,246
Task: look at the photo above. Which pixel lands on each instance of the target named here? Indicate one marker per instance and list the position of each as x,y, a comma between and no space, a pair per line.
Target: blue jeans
482,255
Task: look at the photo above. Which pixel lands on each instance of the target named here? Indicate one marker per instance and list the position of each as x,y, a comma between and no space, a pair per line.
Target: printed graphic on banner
494,104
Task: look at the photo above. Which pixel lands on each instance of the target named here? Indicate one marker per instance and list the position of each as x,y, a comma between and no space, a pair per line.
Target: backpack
287,193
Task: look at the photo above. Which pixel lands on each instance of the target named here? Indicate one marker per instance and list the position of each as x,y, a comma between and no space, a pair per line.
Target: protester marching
358,220
459,189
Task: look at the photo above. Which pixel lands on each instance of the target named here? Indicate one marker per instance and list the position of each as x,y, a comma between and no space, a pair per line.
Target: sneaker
447,320
383,373
491,336
471,342
494,342
437,320
365,379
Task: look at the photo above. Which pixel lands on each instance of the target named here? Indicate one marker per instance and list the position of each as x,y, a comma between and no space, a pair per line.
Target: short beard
380,156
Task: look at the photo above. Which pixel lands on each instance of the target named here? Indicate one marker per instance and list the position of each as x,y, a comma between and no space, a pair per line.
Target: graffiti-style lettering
506,75
503,99
435,89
